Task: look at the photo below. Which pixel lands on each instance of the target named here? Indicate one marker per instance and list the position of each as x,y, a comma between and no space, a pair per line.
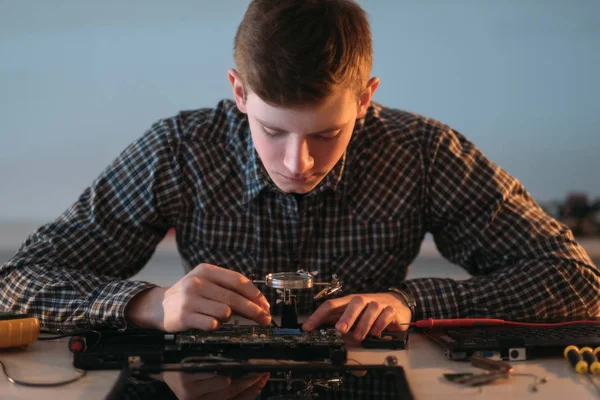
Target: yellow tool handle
19,332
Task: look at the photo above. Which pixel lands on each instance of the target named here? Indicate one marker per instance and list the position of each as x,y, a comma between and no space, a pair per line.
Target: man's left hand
367,313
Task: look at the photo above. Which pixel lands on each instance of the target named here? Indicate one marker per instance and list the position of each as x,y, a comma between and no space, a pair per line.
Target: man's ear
365,98
238,89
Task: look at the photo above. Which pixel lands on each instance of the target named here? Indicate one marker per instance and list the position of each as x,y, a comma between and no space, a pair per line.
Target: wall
80,80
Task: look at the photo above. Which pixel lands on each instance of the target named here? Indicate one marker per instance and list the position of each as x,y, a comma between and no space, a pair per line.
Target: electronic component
245,342
287,331
495,370
285,282
394,340
109,349
514,343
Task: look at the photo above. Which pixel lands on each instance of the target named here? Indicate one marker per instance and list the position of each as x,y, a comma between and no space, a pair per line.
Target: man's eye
271,133
329,135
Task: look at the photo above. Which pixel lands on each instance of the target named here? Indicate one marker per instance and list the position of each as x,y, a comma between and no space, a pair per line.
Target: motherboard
251,342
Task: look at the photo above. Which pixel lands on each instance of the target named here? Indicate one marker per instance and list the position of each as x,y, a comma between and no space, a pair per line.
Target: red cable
479,322
550,325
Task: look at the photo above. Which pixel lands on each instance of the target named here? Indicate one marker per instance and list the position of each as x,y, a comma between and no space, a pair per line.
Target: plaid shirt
402,175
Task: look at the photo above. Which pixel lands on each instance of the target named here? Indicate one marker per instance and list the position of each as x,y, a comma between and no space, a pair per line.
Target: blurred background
79,80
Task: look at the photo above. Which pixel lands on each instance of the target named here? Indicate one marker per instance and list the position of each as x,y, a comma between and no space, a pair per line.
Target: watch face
4,316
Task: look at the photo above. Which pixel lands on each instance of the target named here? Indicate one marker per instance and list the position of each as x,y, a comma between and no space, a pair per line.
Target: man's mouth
299,179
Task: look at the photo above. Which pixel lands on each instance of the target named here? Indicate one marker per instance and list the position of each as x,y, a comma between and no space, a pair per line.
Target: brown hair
293,52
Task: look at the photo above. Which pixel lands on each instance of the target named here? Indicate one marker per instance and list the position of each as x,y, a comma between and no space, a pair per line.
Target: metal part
285,282
332,287
333,383
483,379
391,361
494,370
490,365
289,280
300,279
285,296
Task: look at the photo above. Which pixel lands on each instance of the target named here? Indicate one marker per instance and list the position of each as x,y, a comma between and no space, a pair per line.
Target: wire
68,334
549,325
80,374
536,380
483,322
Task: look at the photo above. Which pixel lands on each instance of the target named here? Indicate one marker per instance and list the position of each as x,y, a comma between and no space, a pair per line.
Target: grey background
79,80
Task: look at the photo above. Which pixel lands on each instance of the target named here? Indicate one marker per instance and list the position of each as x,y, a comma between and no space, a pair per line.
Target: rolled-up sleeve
72,272
525,265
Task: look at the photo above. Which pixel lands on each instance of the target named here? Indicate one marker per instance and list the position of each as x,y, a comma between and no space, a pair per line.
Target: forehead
339,107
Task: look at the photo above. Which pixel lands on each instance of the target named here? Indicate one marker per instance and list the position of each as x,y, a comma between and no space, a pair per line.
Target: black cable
68,334
81,373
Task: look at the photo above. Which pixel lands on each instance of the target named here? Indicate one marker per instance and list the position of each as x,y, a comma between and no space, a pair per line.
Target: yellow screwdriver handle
19,332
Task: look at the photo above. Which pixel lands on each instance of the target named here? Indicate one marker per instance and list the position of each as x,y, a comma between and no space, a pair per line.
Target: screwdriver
480,322
575,358
572,355
590,358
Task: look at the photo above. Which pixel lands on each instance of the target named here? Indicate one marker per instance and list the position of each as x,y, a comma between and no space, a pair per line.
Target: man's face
299,146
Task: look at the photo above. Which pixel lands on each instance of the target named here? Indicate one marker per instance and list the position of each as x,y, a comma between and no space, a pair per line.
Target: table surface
423,361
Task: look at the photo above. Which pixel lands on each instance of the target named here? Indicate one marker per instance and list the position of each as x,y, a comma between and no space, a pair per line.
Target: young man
302,171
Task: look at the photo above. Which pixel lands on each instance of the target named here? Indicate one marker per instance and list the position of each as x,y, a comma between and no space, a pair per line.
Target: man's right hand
202,299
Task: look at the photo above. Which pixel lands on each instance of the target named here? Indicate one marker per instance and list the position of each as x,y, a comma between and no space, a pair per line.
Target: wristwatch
408,298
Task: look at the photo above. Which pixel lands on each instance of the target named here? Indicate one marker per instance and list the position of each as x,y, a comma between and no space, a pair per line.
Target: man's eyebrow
330,129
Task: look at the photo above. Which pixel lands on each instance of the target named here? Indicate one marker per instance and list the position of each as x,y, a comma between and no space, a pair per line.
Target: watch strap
408,298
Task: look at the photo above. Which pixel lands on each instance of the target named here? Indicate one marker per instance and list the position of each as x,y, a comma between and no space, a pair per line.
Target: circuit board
253,335
245,342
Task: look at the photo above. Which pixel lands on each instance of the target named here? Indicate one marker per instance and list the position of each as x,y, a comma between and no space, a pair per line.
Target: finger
192,385
238,386
387,316
355,307
239,304
193,320
205,386
189,376
234,281
200,376
328,308
219,311
331,319
366,321
358,372
253,391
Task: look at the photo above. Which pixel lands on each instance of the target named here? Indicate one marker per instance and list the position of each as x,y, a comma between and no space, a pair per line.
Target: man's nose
297,157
